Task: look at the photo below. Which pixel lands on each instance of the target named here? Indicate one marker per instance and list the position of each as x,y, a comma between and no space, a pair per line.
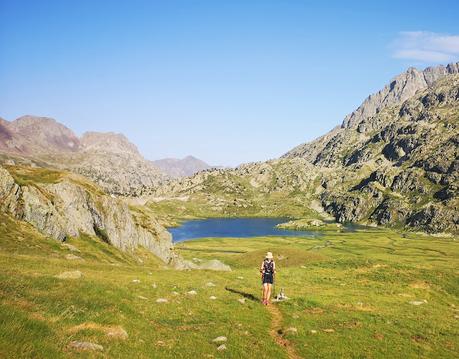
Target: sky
226,81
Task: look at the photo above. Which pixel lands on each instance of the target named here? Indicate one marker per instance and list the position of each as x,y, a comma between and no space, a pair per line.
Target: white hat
269,255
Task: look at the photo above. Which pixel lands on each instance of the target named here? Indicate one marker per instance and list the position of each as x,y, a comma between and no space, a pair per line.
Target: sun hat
269,255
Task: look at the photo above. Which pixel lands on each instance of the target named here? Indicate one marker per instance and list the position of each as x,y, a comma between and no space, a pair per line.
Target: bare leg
268,294
265,291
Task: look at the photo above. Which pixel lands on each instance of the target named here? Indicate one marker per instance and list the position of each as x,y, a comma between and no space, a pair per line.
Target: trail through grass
372,294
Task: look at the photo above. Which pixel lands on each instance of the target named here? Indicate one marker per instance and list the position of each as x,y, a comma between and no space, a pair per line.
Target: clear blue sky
226,81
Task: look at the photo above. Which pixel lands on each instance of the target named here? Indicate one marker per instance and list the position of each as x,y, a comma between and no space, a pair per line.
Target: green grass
357,283
29,176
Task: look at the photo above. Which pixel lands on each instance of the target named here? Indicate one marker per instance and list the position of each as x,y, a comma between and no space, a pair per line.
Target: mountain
109,159
184,167
394,161
324,150
29,135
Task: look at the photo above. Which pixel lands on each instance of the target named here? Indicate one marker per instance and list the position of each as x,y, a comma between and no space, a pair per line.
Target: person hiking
268,271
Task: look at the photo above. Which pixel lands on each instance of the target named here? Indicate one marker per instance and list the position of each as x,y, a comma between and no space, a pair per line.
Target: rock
328,330
85,346
136,281
313,331
418,302
72,257
221,339
117,333
70,247
210,284
241,300
70,275
221,347
154,286
161,300
291,330
192,292
212,297
142,297
216,265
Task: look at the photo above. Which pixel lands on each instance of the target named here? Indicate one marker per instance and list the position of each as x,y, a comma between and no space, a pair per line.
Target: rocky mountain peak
400,88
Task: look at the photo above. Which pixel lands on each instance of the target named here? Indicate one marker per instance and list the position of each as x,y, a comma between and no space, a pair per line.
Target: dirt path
275,332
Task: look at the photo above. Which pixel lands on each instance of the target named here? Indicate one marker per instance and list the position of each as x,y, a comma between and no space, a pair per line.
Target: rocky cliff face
184,167
63,205
108,159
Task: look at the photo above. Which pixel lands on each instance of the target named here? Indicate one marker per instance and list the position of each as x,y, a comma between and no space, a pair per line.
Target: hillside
396,165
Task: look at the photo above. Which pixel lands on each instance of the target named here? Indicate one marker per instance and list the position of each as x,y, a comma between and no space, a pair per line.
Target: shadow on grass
244,294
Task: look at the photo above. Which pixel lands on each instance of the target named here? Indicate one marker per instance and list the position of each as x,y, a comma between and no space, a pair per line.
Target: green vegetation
354,289
29,176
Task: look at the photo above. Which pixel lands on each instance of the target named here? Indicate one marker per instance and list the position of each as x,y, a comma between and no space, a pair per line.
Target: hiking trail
276,332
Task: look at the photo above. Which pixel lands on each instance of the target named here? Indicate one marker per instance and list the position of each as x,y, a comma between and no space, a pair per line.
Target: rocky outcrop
71,206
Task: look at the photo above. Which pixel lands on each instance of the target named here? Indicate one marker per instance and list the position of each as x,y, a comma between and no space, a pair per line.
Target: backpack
268,267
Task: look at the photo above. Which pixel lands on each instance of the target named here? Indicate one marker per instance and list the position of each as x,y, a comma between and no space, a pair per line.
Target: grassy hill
372,294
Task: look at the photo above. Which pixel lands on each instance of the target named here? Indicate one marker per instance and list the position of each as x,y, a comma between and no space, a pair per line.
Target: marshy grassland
364,294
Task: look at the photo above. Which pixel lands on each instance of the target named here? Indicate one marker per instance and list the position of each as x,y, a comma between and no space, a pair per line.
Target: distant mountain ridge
184,167
109,159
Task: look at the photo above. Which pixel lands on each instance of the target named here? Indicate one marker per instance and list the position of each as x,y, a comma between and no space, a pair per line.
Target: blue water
235,228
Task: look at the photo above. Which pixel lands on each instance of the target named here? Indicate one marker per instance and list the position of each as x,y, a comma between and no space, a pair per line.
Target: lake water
235,228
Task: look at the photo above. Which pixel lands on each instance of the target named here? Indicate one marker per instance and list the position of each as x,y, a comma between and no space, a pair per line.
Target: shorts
268,278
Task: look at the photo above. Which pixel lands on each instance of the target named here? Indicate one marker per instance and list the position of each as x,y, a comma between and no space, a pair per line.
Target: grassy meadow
365,294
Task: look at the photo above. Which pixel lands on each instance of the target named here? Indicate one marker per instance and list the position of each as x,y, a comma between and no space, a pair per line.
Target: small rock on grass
220,339
136,281
70,275
329,330
154,286
291,330
210,284
85,346
418,302
70,247
117,333
241,300
142,297
313,331
192,292
221,347
161,300
72,257
212,297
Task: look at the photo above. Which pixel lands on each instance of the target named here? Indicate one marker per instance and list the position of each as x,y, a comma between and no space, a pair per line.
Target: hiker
268,271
